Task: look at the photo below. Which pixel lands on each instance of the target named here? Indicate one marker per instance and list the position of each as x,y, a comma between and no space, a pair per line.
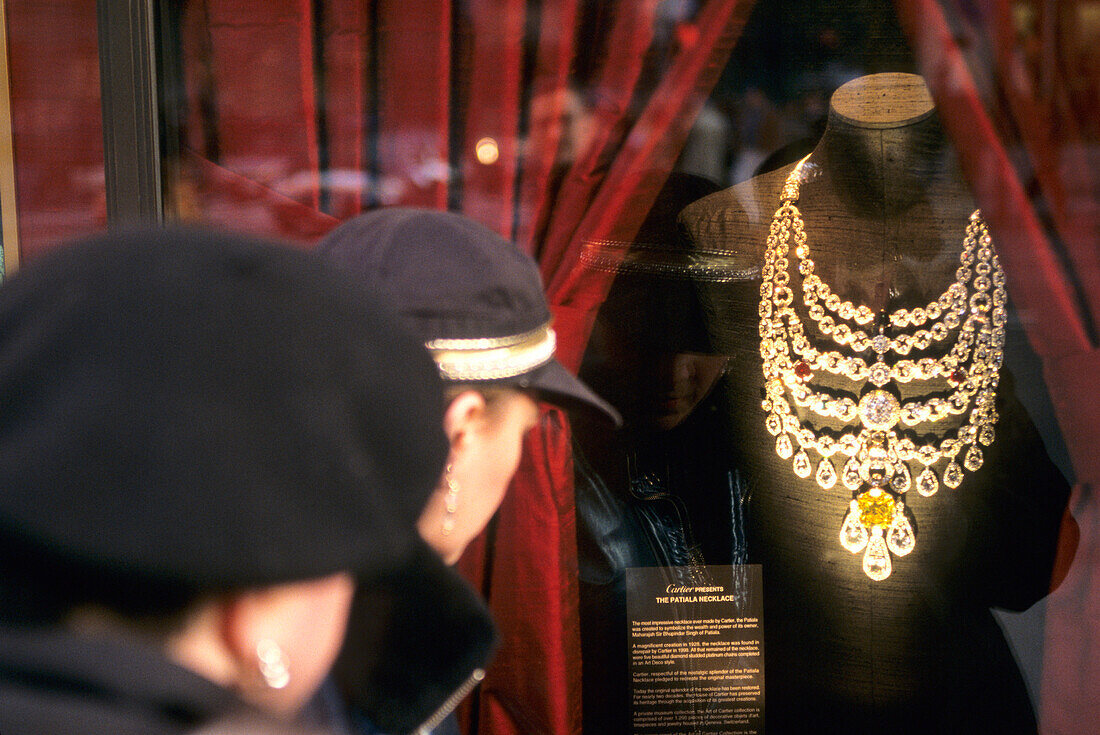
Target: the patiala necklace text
884,460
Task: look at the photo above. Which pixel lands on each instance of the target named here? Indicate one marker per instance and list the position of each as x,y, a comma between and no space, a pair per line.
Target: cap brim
558,386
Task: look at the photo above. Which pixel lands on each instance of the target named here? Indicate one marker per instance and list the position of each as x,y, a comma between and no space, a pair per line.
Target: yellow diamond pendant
876,508
876,524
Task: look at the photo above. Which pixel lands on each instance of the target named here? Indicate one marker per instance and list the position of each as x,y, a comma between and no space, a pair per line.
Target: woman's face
485,452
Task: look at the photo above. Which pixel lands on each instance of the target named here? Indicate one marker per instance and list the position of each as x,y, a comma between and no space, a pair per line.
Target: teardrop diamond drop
900,538
801,464
773,424
826,473
985,434
876,559
852,480
902,479
927,484
853,536
953,474
783,446
973,459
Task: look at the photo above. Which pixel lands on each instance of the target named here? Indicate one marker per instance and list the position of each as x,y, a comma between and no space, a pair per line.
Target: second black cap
475,299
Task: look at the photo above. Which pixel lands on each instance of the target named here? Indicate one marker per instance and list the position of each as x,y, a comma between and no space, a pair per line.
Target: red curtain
550,122
605,193
56,120
1018,95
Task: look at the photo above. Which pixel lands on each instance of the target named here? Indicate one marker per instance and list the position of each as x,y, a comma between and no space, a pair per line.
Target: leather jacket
675,501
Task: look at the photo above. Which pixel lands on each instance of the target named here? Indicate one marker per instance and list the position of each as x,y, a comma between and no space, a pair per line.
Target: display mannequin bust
885,211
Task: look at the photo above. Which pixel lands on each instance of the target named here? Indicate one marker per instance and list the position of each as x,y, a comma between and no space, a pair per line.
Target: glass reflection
663,492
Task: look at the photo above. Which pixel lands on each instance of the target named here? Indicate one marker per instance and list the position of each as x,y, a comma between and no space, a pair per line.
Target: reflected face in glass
682,380
651,355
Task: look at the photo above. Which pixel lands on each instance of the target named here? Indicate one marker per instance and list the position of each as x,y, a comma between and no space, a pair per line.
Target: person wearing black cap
207,443
477,303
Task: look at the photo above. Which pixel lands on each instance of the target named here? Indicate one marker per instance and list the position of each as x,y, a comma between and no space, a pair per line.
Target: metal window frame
131,111
9,230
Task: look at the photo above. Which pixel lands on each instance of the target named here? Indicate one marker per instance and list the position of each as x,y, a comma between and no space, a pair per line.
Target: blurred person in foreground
207,444
477,304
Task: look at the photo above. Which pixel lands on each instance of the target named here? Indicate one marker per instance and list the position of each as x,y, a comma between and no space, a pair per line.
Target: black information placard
696,649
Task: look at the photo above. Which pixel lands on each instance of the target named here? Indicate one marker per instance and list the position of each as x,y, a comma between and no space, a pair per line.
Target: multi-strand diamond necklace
884,456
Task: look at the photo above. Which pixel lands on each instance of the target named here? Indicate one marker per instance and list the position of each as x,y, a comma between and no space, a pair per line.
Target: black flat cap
475,299
187,406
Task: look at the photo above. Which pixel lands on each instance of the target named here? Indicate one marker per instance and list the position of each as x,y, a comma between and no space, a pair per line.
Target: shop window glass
582,131
640,152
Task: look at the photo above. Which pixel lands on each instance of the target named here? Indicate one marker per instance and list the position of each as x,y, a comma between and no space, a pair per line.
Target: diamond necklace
880,453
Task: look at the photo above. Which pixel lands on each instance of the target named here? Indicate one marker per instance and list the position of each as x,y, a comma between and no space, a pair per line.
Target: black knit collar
92,683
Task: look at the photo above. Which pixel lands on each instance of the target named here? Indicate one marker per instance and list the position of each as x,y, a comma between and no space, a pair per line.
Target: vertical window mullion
131,128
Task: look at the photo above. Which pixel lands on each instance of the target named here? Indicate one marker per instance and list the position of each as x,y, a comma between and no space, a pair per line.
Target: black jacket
57,683
416,645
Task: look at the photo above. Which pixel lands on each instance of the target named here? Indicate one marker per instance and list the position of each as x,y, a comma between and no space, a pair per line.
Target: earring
451,500
273,664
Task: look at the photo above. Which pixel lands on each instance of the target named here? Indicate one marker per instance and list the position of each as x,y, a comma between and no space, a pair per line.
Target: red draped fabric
626,193
551,122
534,682
250,151
264,131
56,121
412,41
550,97
490,158
346,98
1025,128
